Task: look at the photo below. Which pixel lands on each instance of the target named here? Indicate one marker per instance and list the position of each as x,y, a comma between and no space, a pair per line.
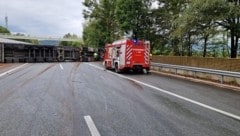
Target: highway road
83,99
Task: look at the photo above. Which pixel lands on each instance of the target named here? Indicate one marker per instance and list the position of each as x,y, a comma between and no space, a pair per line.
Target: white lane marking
91,126
61,66
175,95
14,69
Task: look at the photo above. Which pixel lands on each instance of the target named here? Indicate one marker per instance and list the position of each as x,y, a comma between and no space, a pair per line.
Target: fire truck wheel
105,65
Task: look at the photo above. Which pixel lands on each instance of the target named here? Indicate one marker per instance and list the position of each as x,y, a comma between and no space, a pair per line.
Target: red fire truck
128,54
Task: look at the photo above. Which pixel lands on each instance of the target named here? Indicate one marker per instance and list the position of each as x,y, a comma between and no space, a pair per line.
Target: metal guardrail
202,70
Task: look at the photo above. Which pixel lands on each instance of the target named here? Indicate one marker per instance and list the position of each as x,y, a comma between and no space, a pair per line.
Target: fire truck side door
122,55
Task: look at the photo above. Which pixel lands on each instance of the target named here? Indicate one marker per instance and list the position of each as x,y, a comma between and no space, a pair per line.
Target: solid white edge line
91,126
11,70
61,66
175,95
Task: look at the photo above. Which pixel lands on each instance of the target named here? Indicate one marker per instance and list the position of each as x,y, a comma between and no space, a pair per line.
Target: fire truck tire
105,65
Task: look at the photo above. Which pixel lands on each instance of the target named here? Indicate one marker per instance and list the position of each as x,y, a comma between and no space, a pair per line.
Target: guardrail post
176,72
222,79
159,68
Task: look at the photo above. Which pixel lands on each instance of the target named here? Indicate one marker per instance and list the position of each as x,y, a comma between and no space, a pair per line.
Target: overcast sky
43,17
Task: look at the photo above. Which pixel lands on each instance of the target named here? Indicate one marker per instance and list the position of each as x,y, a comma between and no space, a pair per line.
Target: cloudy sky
43,17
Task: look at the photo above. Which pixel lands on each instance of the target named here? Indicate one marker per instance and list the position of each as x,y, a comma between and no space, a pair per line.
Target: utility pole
6,21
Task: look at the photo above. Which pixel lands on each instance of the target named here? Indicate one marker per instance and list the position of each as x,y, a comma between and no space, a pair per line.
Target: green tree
226,14
165,15
101,17
208,17
134,16
173,27
92,34
71,43
4,30
192,23
232,23
32,41
128,14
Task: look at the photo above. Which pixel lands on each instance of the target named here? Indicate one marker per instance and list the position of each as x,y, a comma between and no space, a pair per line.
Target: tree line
176,27
4,30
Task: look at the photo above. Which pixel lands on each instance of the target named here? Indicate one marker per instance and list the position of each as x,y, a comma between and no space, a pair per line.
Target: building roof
3,40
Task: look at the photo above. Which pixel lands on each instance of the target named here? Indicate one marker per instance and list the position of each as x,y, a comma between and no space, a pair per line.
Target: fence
225,64
1,52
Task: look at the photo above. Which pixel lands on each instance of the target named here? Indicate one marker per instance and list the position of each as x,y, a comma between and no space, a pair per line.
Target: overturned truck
13,51
34,53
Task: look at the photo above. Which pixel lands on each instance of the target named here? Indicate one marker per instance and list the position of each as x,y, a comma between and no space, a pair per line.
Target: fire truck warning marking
11,70
175,95
91,126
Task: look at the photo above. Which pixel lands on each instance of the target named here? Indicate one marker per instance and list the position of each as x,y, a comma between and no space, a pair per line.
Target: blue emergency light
135,40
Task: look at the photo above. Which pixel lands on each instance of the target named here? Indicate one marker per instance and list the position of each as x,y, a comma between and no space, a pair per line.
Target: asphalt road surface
83,99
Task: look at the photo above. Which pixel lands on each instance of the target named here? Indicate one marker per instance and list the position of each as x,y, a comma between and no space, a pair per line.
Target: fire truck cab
128,54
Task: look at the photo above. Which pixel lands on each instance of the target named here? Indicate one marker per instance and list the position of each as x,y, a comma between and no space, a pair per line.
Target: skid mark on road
37,75
78,64
69,97
12,70
231,115
12,90
42,97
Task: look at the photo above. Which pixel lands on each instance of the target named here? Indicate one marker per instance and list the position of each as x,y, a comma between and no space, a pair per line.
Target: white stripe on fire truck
129,48
129,58
147,55
130,51
129,55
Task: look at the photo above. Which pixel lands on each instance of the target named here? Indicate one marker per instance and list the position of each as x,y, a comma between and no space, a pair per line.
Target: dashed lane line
12,70
61,66
175,95
92,128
